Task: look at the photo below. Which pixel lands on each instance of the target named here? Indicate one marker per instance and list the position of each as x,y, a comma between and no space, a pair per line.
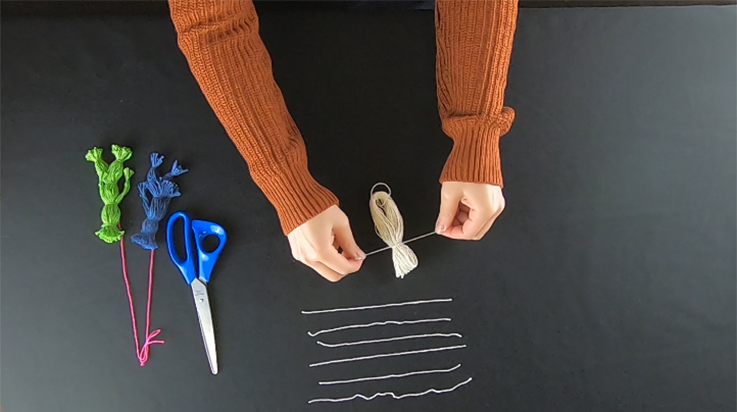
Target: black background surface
160,7
607,284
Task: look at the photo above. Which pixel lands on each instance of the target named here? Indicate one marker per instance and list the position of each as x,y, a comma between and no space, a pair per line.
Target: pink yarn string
141,352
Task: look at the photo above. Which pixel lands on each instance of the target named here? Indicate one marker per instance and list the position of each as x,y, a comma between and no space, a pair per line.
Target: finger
455,231
296,250
480,213
471,226
461,217
337,262
325,271
484,229
344,239
448,209
488,225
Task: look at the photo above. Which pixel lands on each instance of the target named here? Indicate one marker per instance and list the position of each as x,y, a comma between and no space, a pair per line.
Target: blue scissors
199,278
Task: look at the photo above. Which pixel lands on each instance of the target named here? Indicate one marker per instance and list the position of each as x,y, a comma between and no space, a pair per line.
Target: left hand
467,210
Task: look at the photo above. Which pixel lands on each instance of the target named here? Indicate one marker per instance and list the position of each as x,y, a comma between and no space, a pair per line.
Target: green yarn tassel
109,175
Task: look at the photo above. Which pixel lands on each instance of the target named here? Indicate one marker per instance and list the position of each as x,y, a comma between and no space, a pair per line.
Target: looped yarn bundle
108,176
161,189
389,226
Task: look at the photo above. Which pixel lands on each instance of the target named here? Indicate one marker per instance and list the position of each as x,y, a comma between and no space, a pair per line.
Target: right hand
316,243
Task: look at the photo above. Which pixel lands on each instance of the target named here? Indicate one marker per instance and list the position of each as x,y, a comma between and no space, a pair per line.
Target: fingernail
440,228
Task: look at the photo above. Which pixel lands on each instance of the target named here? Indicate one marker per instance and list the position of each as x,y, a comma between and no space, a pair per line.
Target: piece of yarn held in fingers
111,195
156,193
389,226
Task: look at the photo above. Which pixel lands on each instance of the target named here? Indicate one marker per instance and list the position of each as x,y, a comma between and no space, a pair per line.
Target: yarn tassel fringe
156,193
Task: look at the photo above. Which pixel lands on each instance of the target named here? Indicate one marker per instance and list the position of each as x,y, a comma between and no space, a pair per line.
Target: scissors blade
202,303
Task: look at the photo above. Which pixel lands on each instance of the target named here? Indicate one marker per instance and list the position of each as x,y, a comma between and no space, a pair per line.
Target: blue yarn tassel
162,190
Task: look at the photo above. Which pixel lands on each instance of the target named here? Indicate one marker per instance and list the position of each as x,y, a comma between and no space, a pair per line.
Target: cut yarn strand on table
389,226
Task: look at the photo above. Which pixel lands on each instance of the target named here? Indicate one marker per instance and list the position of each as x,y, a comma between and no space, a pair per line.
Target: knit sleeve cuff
475,156
295,194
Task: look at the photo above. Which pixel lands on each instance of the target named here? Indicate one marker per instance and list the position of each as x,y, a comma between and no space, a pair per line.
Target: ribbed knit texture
227,57
474,45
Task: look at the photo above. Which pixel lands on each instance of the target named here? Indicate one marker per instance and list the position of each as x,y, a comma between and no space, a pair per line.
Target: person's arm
220,39
474,46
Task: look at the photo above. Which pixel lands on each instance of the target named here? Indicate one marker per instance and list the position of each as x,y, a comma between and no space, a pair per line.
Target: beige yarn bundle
389,226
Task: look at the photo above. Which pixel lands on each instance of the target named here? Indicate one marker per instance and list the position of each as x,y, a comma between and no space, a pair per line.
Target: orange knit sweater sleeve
221,42
474,46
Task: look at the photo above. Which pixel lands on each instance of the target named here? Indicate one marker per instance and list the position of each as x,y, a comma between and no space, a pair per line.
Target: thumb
449,200
344,238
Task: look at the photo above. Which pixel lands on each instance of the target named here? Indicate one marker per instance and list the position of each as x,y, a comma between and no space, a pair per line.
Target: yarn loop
389,226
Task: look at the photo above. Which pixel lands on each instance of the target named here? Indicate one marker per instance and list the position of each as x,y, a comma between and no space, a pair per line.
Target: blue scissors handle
200,229
186,265
203,229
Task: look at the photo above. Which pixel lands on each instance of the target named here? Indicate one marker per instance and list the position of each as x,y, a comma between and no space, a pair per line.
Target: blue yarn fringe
161,190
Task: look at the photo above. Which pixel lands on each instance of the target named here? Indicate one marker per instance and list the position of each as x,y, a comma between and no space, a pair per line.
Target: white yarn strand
389,226
373,252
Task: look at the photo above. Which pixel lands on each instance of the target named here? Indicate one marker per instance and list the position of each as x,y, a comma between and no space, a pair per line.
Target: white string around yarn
389,226
405,242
